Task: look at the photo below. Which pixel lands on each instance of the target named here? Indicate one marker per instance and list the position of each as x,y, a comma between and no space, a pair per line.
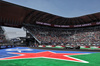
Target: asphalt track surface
84,50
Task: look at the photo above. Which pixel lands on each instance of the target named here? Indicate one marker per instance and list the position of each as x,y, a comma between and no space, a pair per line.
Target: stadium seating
78,36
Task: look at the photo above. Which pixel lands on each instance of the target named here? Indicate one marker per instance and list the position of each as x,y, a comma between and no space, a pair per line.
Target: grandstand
78,36
49,29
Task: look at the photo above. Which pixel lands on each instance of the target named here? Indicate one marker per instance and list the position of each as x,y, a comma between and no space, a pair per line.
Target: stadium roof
13,15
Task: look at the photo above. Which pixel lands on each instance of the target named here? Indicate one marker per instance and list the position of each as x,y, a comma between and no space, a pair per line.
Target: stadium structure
48,30
2,36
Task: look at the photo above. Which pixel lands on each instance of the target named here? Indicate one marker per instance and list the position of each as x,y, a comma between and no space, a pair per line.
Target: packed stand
58,36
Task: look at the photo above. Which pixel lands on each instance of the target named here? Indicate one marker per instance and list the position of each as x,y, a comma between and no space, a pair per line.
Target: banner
69,26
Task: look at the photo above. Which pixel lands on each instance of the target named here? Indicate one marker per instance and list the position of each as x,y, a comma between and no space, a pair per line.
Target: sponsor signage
39,23
56,25
47,24
77,25
86,24
67,26
3,46
43,23
98,23
9,46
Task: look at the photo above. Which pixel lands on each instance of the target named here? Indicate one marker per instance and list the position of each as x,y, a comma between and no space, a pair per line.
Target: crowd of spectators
88,35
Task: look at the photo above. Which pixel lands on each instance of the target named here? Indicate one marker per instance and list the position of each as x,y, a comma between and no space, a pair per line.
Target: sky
64,8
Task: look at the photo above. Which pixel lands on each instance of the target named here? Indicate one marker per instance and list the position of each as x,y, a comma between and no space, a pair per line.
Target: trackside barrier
6,46
85,46
41,46
62,46
82,46
58,46
92,47
51,46
95,47
98,46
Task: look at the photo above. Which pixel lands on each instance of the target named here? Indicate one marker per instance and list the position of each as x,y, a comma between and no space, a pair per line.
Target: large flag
23,56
